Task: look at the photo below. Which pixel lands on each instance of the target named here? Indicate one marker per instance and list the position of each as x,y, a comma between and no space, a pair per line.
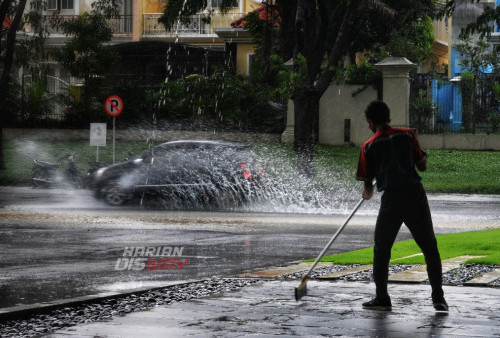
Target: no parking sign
113,105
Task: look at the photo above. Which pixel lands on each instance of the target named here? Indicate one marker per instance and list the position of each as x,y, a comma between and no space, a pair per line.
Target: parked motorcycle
93,167
46,174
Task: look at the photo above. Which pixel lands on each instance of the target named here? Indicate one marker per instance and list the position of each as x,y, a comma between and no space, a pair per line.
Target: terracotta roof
6,22
273,17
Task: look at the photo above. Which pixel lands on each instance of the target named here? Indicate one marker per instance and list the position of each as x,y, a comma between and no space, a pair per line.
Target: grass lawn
476,243
19,156
448,171
465,172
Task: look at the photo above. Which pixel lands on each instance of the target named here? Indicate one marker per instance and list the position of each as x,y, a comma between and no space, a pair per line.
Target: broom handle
335,236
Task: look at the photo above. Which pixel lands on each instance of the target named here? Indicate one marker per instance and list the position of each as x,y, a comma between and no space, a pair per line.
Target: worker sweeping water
390,157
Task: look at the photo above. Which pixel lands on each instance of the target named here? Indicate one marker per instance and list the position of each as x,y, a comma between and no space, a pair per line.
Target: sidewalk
330,308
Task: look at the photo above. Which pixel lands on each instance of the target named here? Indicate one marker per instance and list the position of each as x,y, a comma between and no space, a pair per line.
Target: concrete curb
25,311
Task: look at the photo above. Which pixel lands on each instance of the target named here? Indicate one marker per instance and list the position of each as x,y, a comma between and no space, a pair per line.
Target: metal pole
113,140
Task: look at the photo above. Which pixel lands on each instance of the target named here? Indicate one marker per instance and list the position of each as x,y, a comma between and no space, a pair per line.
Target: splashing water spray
282,190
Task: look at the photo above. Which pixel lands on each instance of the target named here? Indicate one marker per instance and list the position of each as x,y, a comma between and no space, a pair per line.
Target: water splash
280,190
332,190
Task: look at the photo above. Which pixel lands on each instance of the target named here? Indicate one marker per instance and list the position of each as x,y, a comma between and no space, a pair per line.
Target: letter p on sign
113,105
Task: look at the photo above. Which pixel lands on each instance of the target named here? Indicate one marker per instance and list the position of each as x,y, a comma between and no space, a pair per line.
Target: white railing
440,30
199,25
122,24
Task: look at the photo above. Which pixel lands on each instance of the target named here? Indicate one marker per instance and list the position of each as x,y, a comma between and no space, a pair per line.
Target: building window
217,3
52,5
66,4
55,5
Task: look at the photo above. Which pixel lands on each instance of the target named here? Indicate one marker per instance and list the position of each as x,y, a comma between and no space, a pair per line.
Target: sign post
97,137
113,106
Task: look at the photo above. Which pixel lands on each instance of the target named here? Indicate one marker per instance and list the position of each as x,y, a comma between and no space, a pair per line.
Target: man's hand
367,190
422,164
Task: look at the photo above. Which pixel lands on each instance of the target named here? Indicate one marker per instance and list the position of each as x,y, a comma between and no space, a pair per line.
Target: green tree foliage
318,34
413,41
482,24
22,44
467,87
404,31
37,103
477,57
267,52
220,100
15,51
15,10
364,74
423,113
86,56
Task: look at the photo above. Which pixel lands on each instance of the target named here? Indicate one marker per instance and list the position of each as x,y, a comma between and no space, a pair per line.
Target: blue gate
446,95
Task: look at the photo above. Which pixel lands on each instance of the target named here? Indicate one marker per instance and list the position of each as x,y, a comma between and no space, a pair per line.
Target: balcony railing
120,25
199,24
440,30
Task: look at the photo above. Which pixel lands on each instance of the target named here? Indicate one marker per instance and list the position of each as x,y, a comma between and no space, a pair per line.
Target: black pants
409,206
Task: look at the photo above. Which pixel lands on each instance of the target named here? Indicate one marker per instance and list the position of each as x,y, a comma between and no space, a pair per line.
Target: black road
60,244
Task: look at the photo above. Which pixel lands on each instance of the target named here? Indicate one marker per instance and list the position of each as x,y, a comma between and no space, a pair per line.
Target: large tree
7,44
18,48
483,24
15,9
85,54
319,35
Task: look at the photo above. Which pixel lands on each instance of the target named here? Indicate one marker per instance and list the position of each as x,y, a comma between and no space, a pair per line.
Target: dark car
206,172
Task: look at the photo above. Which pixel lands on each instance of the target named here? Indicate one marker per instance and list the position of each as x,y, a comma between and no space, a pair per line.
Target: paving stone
419,273
485,279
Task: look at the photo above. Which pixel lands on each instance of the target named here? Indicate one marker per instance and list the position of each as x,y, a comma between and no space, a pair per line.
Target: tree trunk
7,60
2,162
306,106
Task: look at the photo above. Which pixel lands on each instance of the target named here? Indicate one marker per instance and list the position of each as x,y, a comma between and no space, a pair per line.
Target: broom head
301,290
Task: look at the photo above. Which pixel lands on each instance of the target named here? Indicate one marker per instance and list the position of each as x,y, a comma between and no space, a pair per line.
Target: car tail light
244,171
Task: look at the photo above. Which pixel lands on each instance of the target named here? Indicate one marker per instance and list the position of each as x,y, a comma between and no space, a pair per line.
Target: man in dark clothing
390,157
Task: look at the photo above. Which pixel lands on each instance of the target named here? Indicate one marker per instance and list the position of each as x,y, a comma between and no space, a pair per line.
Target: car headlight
100,172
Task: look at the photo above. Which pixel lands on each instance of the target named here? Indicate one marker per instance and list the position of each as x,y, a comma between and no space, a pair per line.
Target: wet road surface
60,244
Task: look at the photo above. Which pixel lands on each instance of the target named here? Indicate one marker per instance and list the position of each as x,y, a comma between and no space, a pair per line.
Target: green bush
364,74
467,88
423,113
224,100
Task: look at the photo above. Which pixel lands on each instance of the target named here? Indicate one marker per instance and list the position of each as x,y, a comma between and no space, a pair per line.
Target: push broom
301,290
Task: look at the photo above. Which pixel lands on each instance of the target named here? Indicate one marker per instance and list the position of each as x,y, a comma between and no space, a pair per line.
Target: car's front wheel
114,195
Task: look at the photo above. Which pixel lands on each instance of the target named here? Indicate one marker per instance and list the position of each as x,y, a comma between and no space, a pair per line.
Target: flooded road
60,244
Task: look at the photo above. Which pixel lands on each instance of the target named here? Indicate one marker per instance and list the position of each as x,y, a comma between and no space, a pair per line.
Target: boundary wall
342,121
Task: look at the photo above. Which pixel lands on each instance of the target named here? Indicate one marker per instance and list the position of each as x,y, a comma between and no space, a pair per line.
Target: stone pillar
288,135
137,20
396,88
